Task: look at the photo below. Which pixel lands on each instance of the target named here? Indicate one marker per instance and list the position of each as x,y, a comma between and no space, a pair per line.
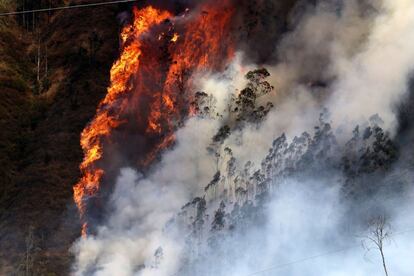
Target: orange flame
202,43
175,37
107,118
205,45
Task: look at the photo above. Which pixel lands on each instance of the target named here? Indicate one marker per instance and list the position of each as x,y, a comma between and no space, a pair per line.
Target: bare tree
38,58
379,232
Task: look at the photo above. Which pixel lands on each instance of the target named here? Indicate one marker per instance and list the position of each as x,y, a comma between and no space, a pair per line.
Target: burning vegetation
223,127
148,94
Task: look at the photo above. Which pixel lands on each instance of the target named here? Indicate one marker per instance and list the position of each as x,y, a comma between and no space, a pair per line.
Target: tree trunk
46,65
38,58
383,262
24,15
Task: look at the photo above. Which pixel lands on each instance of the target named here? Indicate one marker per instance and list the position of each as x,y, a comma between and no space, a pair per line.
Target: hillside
207,138
41,122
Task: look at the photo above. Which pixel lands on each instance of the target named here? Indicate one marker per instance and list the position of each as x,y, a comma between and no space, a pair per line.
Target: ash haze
352,59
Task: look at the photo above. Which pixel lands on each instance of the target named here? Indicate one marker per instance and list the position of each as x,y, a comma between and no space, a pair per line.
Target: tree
379,231
246,108
205,105
219,218
222,134
158,256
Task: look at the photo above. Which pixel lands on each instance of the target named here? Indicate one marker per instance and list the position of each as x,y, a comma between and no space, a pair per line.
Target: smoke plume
347,60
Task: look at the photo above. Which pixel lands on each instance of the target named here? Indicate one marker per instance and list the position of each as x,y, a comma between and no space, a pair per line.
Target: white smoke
365,62
306,234
378,76
143,206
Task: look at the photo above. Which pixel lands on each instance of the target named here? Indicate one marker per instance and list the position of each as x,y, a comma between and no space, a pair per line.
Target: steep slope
14,104
55,70
41,121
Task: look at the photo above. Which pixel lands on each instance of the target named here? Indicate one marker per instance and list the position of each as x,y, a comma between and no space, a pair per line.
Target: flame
207,42
205,45
175,37
107,117
153,78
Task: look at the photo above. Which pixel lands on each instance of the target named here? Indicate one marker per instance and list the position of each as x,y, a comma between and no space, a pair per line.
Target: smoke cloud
305,231
143,206
378,76
353,58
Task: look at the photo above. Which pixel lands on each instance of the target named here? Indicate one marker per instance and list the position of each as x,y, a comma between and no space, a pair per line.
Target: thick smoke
378,76
143,206
354,63
305,232
353,59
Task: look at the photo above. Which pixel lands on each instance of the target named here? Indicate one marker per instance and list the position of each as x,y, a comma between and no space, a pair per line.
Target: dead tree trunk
38,59
379,232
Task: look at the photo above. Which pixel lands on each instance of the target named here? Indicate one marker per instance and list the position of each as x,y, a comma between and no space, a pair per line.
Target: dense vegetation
236,200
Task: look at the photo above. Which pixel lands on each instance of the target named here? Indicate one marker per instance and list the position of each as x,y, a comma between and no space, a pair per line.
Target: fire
150,83
207,42
205,45
107,117
175,37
